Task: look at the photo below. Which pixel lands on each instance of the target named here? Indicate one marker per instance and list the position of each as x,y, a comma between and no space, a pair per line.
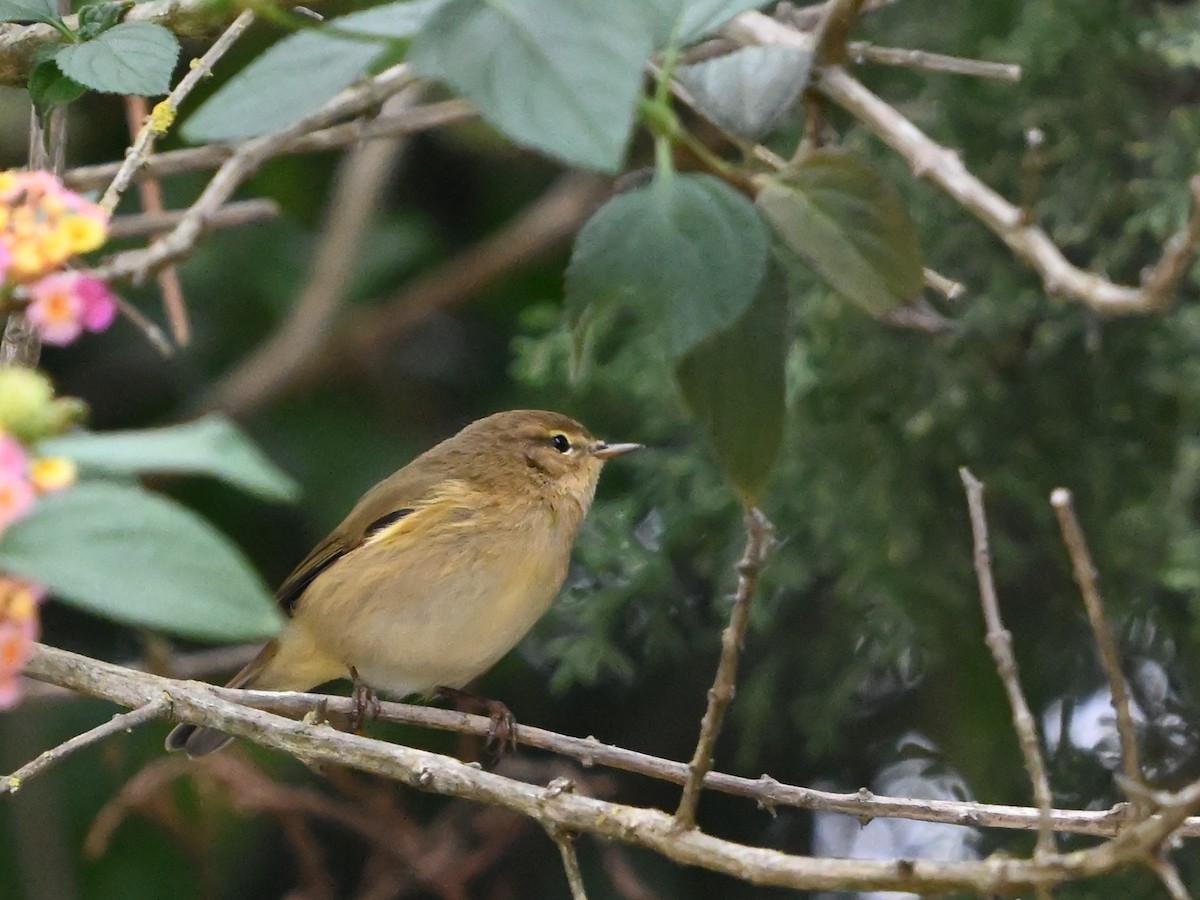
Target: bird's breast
415,614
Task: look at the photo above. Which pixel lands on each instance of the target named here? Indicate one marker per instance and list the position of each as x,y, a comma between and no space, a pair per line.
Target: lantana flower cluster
43,225
19,628
29,413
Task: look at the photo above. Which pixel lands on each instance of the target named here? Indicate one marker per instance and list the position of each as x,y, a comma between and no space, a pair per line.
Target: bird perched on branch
439,570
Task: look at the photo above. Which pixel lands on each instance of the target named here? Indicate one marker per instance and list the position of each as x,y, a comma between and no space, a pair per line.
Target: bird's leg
366,704
502,732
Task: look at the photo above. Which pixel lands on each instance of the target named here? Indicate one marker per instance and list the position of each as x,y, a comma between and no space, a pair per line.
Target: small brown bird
439,570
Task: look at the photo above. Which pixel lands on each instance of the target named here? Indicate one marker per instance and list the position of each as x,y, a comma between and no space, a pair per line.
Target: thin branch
186,18
1085,576
999,641
211,156
157,708
572,812
231,215
165,110
923,60
1169,876
944,168
358,191
137,264
547,224
566,848
947,287
151,199
759,543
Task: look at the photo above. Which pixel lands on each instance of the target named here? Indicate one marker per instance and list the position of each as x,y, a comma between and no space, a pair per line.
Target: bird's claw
366,703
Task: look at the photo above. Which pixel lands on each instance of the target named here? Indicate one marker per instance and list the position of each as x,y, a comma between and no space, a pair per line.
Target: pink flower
5,260
13,461
16,490
19,628
16,499
64,304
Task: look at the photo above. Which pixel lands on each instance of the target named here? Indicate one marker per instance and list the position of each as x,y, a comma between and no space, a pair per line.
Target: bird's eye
560,443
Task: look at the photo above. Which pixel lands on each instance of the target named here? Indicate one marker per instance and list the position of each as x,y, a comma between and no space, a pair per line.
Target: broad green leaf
734,384
850,225
297,75
49,87
560,77
687,251
28,11
139,558
210,446
130,58
748,91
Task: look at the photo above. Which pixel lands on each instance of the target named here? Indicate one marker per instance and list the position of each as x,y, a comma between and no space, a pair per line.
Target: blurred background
864,664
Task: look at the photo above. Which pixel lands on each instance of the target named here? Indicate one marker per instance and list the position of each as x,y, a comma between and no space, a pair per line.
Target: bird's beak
608,451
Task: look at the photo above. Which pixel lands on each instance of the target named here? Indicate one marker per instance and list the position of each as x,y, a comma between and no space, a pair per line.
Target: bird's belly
412,634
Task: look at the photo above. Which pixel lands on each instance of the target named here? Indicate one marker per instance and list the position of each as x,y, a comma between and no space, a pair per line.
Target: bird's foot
502,730
366,703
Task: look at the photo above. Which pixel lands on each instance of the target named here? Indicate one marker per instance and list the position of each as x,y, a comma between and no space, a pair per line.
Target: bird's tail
200,741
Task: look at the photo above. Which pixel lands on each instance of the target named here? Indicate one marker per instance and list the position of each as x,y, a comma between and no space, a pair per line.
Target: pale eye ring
560,443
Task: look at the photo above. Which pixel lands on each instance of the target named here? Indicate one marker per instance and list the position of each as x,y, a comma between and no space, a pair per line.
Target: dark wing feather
325,555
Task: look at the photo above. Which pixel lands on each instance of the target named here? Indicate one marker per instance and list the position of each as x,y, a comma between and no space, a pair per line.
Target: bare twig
186,18
153,709
759,542
944,168
547,224
194,159
136,264
999,641
947,287
150,196
231,215
923,60
566,849
572,812
1169,876
1110,659
165,111
358,191
765,791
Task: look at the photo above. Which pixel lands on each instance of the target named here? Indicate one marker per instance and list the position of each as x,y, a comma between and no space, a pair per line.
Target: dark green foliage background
866,629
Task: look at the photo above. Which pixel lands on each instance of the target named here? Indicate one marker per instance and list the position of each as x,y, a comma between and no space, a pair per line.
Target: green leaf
734,384
560,77
130,58
210,446
49,87
297,75
28,11
139,558
687,250
850,225
749,91
97,18
702,17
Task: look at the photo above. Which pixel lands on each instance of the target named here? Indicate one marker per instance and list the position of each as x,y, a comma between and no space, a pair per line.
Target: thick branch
945,169
554,808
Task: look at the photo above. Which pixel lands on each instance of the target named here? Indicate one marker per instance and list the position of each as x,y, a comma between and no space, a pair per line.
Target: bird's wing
383,506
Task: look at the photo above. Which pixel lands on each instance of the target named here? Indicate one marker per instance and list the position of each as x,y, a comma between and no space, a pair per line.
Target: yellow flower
28,260
162,117
52,473
80,233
